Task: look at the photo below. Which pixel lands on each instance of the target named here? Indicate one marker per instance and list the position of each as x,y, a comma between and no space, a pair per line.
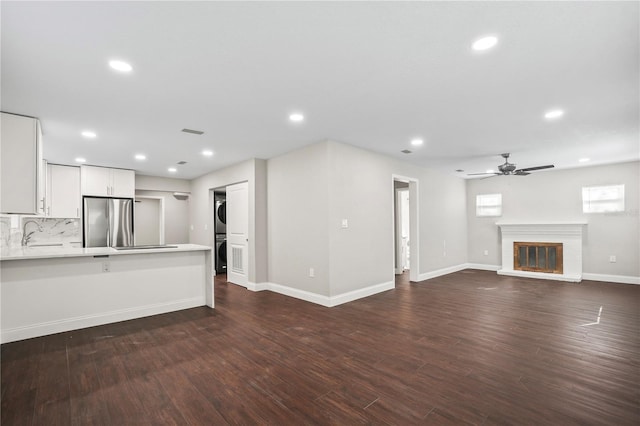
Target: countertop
49,252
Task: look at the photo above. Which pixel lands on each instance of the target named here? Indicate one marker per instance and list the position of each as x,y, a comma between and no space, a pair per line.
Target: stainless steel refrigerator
107,222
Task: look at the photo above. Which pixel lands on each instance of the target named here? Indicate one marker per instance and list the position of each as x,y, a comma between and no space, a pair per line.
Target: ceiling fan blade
521,173
530,169
478,174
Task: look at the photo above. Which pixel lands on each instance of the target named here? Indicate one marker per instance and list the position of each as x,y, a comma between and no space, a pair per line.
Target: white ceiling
371,74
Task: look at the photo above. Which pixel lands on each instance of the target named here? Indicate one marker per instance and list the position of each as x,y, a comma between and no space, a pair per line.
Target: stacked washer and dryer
220,200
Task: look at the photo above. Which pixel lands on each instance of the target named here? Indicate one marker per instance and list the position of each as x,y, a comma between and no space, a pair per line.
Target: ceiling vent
193,132
181,163
405,151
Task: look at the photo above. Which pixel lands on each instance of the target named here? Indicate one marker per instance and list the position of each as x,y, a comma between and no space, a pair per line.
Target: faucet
26,237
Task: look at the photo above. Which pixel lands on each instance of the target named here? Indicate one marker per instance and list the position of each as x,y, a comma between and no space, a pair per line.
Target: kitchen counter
53,289
48,252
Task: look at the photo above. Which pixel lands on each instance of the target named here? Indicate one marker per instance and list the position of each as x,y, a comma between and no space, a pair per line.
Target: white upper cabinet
123,183
106,182
63,191
21,165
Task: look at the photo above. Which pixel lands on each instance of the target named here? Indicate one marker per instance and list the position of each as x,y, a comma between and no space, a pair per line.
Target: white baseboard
482,267
319,299
68,324
542,276
440,272
360,293
257,286
621,279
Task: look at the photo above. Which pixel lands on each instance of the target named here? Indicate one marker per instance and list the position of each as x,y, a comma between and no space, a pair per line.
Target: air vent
193,132
405,151
181,163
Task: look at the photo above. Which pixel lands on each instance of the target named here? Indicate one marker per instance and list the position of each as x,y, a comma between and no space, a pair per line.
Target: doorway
148,220
406,247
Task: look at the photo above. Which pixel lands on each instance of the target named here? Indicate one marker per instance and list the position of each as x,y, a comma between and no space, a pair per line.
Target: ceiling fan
510,169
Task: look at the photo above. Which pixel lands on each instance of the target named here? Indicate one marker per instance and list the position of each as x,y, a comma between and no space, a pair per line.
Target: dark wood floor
471,347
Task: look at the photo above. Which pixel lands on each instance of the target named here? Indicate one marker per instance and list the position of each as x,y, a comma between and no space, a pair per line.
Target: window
603,199
488,205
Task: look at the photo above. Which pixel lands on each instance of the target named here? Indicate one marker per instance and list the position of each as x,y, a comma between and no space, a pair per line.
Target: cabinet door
19,165
123,183
95,181
64,191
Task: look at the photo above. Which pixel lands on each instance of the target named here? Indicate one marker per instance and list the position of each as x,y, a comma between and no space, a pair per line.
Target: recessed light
81,160
172,169
584,160
207,153
296,117
120,66
141,157
485,43
553,114
490,171
89,134
417,142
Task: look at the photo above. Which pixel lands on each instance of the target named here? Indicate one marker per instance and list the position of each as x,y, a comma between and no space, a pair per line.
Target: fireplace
542,250
537,257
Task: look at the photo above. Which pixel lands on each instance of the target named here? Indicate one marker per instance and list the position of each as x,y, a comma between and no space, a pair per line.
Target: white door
148,224
238,233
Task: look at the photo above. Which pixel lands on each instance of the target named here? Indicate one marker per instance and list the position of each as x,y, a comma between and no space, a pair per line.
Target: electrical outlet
312,272
106,267
345,223
206,226
486,253
612,259
192,227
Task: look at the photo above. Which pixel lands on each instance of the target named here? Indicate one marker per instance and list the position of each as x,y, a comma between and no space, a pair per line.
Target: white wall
155,183
297,214
201,215
362,192
312,189
556,195
176,212
176,216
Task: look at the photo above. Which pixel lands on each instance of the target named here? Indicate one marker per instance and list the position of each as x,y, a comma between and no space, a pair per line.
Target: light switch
345,223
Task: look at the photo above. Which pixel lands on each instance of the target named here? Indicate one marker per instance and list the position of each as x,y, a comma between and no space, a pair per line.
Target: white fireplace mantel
568,233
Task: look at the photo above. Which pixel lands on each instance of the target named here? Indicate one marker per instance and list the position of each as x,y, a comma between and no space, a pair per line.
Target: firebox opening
537,257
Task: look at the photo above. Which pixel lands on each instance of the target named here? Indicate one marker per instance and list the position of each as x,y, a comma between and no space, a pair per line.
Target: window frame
486,209
591,204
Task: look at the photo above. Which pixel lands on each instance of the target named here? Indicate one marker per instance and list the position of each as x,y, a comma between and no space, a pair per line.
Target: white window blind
603,199
488,205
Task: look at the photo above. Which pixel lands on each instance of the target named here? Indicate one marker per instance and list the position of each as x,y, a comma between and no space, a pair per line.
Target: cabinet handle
77,211
48,211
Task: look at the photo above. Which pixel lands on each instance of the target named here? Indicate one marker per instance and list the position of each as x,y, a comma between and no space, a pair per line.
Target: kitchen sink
144,247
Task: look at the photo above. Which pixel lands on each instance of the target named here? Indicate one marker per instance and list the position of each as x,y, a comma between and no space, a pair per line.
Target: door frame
160,218
414,231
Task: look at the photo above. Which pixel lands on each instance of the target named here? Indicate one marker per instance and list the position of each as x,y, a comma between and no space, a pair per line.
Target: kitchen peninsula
46,290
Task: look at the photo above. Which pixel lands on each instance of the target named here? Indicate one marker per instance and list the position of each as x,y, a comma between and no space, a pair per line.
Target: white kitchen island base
49,295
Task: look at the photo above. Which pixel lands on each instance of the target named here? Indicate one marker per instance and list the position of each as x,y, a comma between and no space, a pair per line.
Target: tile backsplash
40,230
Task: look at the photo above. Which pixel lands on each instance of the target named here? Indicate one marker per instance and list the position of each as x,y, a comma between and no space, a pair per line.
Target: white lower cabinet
63,191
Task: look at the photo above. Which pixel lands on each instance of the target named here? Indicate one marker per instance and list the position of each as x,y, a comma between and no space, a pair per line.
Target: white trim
620,279
319,299
361,293
541,275
443,271
68,324
257,286
414,224
308,296
482,267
